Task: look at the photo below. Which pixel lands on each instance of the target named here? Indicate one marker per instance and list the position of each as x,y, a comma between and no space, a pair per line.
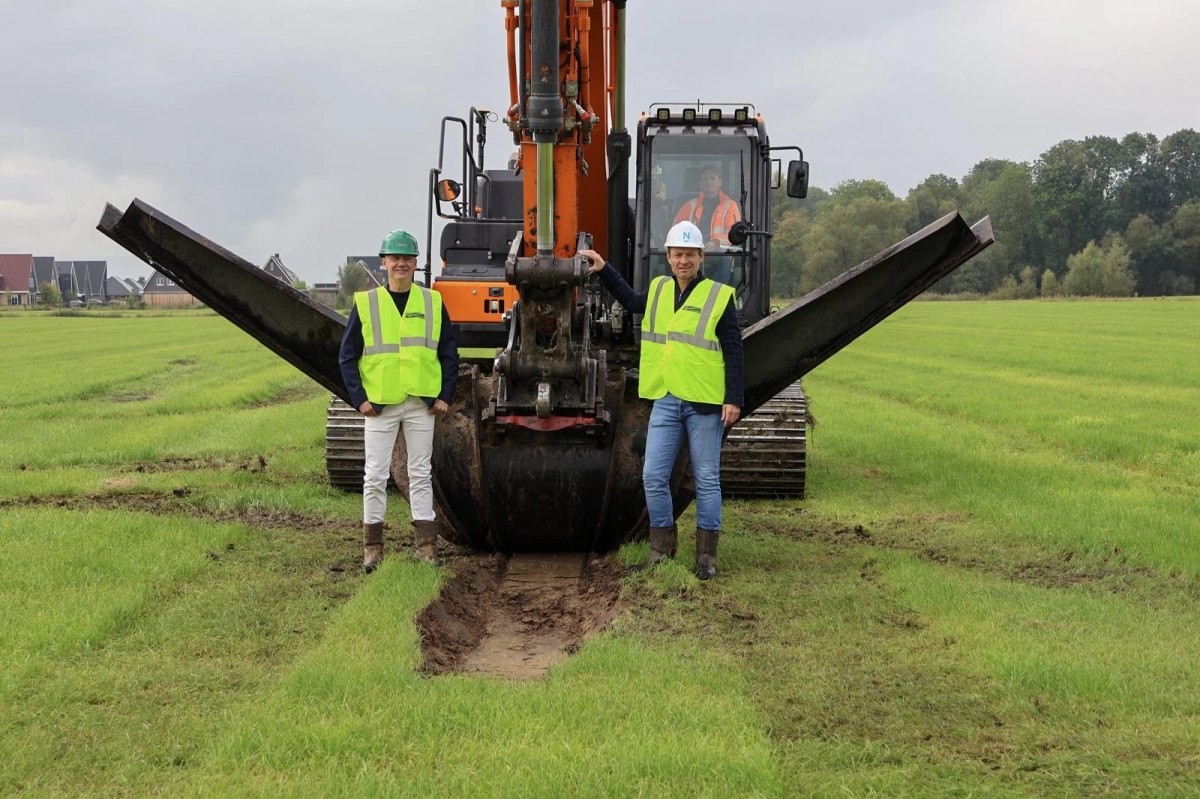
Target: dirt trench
517,617
511,617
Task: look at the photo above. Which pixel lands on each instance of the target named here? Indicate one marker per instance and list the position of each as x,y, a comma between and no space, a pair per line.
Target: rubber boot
706,553
425,536
663,543
372,545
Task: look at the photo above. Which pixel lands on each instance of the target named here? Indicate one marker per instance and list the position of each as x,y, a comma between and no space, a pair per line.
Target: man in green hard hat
399,361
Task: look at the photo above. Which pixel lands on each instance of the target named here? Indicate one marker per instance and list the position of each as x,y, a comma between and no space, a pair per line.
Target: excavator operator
711,206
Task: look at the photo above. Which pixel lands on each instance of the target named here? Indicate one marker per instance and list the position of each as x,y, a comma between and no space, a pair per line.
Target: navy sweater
729,332
352,349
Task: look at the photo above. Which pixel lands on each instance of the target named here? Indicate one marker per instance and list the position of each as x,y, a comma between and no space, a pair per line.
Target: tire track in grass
135,710
1178,393
1169,479
1023,487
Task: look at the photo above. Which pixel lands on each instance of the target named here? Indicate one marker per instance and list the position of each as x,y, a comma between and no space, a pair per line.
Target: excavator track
763,457
764,453
344,453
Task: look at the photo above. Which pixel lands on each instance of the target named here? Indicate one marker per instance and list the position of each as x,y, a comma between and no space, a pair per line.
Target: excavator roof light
714,115
741,115
689,115
664,115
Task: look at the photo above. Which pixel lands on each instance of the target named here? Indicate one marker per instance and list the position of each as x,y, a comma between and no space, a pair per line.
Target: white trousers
379,440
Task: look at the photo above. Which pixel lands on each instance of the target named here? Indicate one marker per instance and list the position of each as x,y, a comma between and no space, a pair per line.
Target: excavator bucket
789,344
295,327
549,488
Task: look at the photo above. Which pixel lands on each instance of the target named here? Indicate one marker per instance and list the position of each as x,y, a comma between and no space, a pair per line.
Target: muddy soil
175,502
516,618
512,617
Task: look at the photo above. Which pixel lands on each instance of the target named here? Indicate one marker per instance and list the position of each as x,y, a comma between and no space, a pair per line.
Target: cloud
309,129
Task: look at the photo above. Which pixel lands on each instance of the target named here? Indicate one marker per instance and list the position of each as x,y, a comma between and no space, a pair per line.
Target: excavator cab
711,165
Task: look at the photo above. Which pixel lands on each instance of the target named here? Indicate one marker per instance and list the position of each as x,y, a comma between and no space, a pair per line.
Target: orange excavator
542,449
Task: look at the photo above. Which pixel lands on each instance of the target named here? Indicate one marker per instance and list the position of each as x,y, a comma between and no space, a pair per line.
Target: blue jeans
669,421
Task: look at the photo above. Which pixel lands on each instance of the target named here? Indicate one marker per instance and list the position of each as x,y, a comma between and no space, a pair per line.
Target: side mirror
776,173
738,233
797,179
448,190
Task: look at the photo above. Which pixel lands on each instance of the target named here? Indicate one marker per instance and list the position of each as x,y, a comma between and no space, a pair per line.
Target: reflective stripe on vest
400,351
697,339
376,326
660,307
648,333
690,365
718,229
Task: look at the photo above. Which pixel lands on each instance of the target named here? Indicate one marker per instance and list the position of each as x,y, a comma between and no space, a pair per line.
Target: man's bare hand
595,258
730,413
438,408
367,409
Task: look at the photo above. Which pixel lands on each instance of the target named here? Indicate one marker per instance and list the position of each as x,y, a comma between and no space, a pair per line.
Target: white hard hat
685,234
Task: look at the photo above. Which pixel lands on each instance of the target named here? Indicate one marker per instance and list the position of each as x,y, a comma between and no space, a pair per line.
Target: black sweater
729,332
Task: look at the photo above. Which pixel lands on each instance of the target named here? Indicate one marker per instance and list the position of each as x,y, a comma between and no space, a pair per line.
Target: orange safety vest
727,213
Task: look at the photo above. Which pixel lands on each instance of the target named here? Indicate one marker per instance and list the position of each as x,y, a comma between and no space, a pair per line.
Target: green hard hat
398,242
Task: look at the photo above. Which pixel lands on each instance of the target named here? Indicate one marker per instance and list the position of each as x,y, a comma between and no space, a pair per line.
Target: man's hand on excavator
730,413
596,259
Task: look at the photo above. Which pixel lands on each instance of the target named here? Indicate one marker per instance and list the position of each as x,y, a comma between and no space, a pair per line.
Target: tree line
1100,216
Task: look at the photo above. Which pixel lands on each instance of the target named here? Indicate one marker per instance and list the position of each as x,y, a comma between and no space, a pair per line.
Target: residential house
324,293
119,290
68,286
160,291
82,280
91,277
374,266
16,273
275,268
43,273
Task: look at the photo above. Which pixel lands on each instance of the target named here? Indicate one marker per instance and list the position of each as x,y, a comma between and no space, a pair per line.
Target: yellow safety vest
680,350
400,354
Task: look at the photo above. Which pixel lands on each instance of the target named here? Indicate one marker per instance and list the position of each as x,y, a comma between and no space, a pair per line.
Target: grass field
992,589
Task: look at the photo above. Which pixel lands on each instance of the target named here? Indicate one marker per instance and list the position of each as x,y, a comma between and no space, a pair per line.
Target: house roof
91,276
369,261
115,287
168,286
374,265
274,267
44,271
15,271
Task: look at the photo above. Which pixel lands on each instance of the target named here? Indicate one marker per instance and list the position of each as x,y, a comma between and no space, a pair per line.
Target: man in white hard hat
692,366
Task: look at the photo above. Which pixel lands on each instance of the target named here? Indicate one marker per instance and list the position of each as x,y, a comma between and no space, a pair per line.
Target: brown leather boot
425,536
706,553
663,543
372,546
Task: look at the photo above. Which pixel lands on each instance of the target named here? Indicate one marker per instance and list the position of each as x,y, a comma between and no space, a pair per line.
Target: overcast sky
308,127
